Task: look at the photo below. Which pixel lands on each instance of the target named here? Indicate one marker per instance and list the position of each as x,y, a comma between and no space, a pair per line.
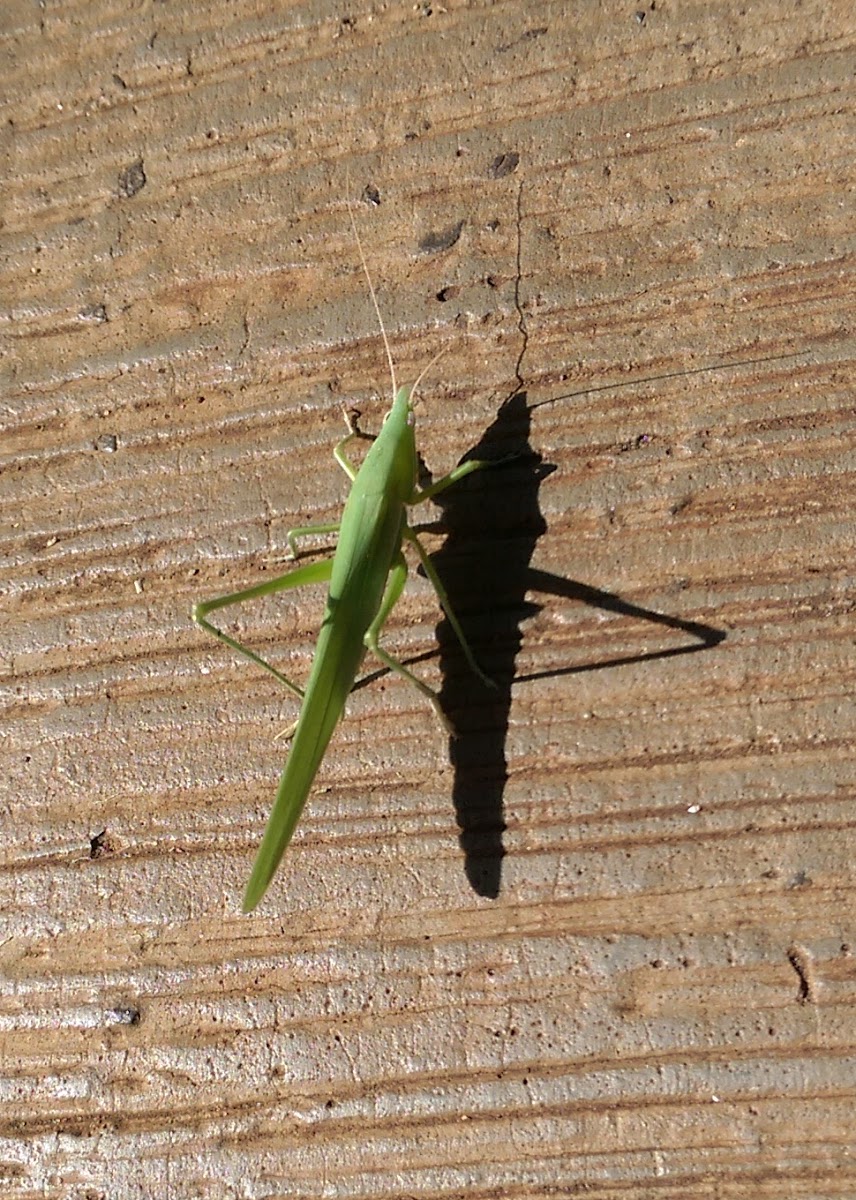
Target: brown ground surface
632,976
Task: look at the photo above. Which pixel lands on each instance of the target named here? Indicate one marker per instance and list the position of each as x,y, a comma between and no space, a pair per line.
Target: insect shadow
492,521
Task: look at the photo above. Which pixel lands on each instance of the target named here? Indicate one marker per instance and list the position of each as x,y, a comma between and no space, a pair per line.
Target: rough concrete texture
602,943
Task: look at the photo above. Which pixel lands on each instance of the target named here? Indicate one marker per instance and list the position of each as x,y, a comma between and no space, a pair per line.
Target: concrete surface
602,944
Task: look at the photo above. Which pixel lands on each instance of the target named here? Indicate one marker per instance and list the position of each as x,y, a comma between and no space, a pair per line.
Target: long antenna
371,289
426,369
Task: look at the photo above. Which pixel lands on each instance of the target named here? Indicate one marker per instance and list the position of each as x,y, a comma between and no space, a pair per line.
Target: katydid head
394,449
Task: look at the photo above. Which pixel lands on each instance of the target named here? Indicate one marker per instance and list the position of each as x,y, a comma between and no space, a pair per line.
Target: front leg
351,416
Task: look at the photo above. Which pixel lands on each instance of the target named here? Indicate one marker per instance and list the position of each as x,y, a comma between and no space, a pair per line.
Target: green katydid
366,576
